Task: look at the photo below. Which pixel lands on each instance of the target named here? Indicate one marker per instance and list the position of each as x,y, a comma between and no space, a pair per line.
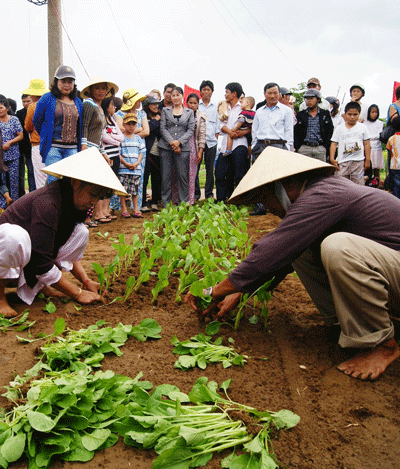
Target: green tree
298,94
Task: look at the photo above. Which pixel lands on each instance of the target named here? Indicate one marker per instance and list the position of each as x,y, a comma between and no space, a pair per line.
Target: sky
147,43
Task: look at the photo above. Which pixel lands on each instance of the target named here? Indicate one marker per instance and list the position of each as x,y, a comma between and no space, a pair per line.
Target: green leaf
255,445
267,462
148,328
225,385
94,440
50,308
254,319
78,452
13,447
285,419
39,421
173,459
213,328
59,326
245,461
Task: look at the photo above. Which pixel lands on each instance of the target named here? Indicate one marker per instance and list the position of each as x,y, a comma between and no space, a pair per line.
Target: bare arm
332,151
367,153
75,292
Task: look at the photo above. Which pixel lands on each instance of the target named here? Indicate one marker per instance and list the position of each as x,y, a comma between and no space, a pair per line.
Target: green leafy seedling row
199,245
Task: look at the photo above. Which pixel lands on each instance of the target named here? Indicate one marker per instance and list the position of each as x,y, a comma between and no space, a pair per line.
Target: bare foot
370,365
48,291
6,309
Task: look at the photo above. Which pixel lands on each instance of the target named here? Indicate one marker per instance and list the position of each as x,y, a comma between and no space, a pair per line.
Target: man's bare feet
6,309
370,365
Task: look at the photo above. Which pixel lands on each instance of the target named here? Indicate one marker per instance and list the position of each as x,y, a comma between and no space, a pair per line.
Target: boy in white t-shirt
354,149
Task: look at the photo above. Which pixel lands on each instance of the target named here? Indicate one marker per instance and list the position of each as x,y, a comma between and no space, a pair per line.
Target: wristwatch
208,291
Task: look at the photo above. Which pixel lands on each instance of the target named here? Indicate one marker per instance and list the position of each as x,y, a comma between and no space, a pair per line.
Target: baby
245,121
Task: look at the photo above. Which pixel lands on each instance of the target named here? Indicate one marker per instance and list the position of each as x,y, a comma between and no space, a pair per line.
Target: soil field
345,423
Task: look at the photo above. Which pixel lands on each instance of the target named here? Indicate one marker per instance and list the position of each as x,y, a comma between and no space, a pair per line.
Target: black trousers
230,170
209,161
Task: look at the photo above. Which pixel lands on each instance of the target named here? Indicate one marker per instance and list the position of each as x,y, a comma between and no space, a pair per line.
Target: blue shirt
211,111
130,151
274,123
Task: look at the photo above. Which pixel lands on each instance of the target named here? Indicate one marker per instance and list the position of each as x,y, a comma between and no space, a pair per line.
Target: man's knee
336,247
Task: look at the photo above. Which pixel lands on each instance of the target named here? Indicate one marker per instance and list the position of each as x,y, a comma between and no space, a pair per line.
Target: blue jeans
57,154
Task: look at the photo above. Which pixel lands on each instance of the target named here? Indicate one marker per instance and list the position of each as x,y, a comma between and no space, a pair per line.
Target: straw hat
37,87
131,97
112,88
274,164
87,165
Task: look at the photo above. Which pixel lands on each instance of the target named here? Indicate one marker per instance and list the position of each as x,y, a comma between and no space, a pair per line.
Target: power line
126,45
270,38
66,24
233,32
66,32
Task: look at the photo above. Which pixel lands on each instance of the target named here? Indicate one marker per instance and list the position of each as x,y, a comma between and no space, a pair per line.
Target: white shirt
211,111
350,142
273,124
232,119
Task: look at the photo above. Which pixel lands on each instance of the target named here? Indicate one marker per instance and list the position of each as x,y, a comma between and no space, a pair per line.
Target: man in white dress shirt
210,150
272,126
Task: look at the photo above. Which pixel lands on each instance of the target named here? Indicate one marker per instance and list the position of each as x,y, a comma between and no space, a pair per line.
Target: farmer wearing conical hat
42,233
347,258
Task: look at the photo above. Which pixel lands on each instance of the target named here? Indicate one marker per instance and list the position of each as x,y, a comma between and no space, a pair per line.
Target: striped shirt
131,148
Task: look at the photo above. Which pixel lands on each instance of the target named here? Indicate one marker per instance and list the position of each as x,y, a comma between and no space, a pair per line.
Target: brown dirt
345,423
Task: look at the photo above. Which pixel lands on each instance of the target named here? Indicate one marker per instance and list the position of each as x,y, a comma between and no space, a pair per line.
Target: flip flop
102,220
91,224
125,215
137,215
111,217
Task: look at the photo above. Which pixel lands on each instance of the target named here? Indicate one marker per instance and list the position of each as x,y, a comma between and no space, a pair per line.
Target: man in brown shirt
347,258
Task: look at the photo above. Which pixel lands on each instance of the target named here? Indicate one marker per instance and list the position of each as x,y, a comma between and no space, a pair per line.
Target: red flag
187,92
396,85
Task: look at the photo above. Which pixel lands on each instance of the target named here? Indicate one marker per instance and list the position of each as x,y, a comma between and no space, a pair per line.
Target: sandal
125,215
91,224
103,220
111,217
137,215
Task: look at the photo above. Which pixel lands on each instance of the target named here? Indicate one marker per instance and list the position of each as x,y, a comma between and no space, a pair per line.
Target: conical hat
85,93
87,165
274,164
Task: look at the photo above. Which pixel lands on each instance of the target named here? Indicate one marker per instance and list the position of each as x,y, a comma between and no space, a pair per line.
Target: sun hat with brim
112,88
272,165
37,87
129,118
131,97
89,166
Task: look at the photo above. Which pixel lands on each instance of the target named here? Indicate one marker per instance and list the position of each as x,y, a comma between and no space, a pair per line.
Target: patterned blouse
9,131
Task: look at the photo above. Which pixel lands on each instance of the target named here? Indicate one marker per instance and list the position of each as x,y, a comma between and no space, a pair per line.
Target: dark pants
209,162
256,152
230,170
25,159
152,167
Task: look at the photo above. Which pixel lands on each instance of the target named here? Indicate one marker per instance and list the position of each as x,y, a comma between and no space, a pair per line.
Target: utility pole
54,33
